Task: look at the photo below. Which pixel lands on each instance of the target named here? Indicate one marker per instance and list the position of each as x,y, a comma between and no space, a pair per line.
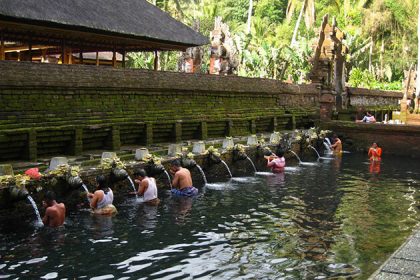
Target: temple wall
68,109
378,102
400,140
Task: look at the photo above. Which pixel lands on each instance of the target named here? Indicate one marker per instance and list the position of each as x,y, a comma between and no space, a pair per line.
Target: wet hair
49,196
176,163
280,153
140,173
102,183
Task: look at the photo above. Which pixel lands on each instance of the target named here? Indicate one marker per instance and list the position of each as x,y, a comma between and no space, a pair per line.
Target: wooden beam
97,58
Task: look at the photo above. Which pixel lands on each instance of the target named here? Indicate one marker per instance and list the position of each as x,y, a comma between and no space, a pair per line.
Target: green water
315,222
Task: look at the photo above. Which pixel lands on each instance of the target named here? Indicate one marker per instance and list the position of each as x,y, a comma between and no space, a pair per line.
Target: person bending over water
182,181
337,146
55,213
276,162
375,152
147,187
102,198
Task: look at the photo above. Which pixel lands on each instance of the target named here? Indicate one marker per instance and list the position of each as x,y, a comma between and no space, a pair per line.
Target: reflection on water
336,219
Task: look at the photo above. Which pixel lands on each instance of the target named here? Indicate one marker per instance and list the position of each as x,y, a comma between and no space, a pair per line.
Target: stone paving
404,264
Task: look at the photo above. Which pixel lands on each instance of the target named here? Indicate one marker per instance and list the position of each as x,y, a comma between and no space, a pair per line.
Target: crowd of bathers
101,200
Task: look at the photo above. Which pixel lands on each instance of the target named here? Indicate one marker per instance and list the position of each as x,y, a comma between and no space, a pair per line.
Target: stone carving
223,53
190,61
328,65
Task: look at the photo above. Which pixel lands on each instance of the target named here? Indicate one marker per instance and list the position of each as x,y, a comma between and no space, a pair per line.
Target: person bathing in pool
276,162
182,181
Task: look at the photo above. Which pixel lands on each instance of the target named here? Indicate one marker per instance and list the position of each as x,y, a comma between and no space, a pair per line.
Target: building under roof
36,28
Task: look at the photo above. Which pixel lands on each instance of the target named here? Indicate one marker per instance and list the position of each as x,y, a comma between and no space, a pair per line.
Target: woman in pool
102,198
375,152
276,162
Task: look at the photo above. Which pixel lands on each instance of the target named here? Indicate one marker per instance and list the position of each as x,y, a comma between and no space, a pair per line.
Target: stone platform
404,264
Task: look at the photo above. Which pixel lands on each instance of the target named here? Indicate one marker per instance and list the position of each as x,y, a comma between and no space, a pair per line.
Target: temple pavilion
88,31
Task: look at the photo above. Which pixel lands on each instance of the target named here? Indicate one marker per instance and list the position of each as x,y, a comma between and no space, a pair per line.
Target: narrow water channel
339,218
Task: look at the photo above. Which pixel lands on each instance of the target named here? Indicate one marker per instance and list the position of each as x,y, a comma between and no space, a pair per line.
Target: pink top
277,165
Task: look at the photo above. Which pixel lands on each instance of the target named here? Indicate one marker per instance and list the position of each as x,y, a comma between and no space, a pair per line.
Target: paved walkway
404,264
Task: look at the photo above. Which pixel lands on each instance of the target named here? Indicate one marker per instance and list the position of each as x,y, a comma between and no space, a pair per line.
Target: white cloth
151,191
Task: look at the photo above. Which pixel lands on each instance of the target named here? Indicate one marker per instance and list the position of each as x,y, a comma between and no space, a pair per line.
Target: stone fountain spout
18,193
188,163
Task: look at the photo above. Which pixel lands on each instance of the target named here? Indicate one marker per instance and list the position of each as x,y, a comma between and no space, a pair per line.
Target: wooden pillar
30,49
2,53
123,58
81,54
44,55
63,53
97,58
69,56
156,61
114,57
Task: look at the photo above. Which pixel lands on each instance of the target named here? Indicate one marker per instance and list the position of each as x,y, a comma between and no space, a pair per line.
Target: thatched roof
133,19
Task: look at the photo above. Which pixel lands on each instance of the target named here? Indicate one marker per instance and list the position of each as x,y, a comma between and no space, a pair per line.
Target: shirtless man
182,181
337,146
55,213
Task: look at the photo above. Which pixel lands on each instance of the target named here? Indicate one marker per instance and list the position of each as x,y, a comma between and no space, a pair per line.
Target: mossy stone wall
68,109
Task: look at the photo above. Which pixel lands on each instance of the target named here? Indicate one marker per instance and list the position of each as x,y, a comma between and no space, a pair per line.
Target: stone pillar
149,133
229,129
115,138
78,141
178,131
293,121
32,148
326,103
274,124
253,127
203,131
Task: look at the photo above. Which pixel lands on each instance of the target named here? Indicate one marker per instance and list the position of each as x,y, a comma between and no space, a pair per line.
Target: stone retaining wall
399,140
67,109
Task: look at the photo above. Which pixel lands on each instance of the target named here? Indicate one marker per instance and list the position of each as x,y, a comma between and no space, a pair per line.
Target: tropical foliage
381,35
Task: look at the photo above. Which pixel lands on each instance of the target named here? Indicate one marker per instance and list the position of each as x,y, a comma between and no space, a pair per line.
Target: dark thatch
135,19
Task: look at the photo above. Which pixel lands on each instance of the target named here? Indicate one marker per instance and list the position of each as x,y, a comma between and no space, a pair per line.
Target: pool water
339,218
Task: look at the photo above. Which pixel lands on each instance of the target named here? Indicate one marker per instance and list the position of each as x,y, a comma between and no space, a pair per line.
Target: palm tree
307,10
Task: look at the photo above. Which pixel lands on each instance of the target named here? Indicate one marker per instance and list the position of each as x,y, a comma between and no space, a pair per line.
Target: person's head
175,165
49,197
279,153
334,136
101,182
140,174
368,114
375,145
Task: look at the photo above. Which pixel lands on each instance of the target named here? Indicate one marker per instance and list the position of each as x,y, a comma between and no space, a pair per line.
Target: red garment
375,154
33,173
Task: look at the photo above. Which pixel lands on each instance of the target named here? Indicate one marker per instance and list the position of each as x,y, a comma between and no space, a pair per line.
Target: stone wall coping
375,92
44,75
